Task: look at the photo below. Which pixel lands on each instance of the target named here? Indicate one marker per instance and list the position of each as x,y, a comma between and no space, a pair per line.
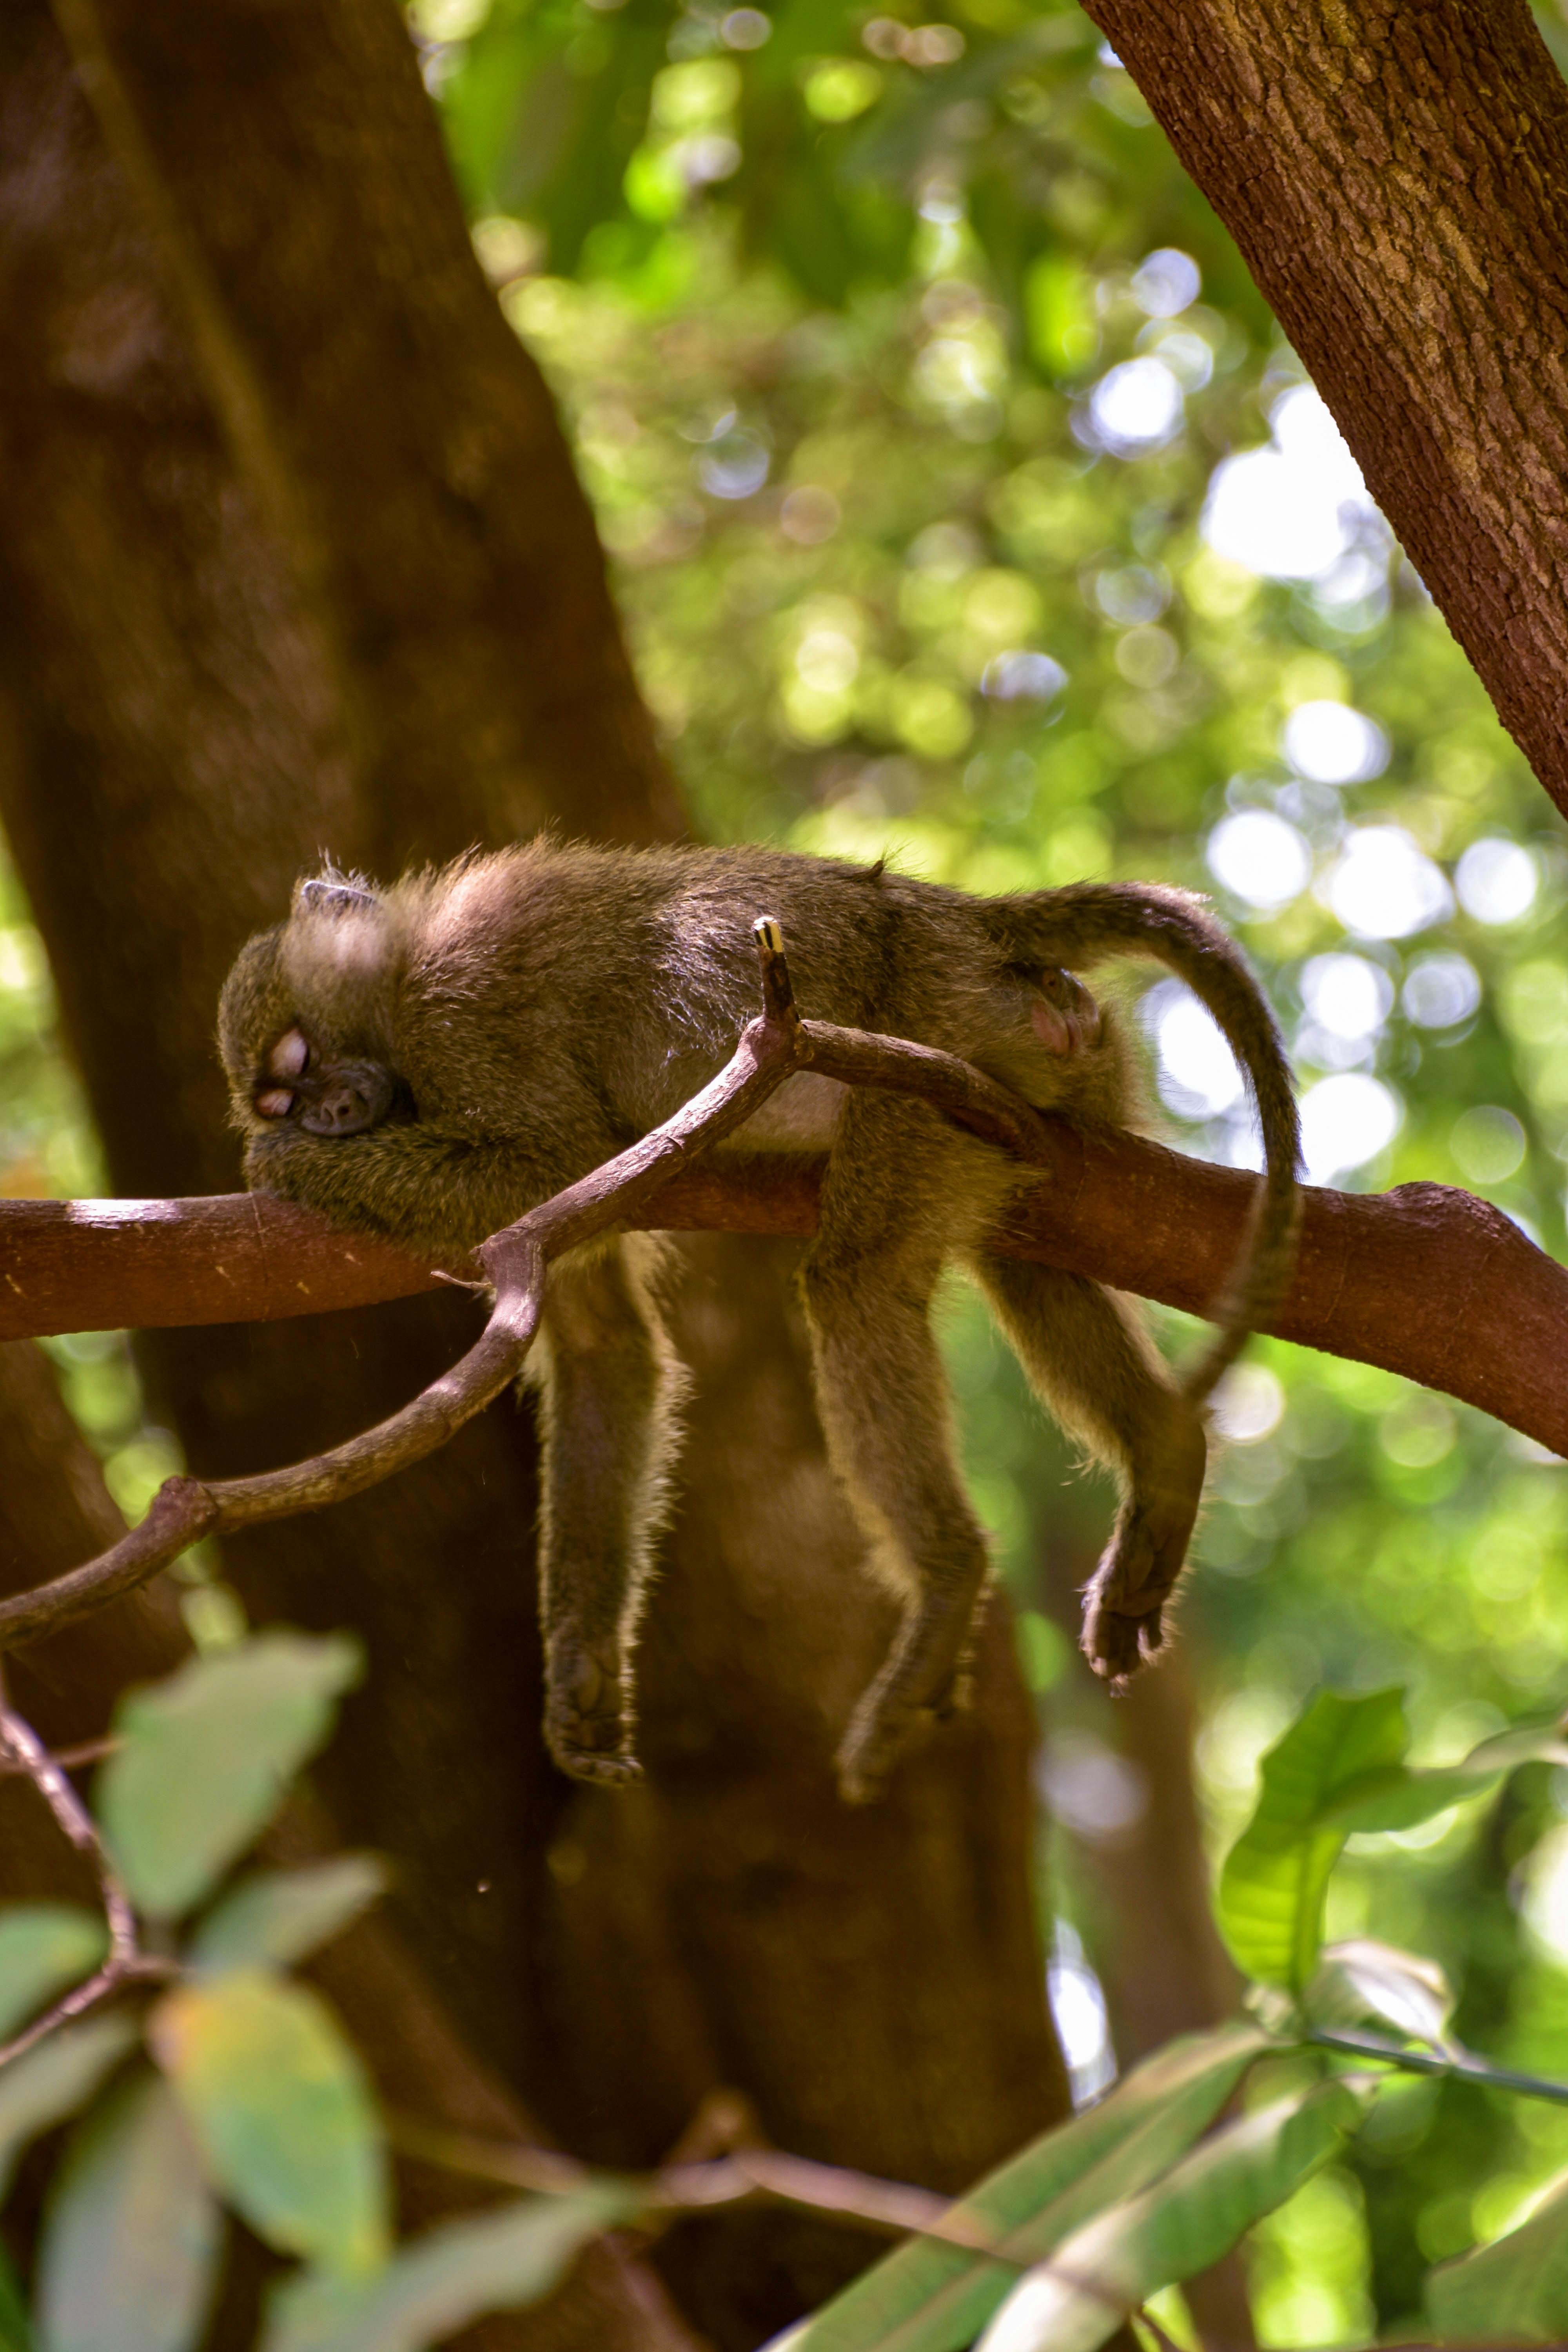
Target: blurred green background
964,505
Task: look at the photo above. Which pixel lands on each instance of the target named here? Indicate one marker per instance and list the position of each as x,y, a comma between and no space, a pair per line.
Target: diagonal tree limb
1394,176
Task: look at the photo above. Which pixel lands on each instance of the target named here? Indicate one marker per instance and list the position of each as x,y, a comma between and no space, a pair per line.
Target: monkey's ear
331,894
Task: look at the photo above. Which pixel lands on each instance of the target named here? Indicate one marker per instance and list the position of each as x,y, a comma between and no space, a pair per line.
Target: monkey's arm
432,1191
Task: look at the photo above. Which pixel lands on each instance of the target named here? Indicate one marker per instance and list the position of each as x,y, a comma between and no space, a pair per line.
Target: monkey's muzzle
357,1097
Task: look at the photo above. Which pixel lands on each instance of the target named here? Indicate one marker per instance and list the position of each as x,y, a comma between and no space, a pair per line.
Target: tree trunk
1395,177
217,662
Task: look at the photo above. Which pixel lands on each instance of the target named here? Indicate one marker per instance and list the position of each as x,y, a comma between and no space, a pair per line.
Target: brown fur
500,1027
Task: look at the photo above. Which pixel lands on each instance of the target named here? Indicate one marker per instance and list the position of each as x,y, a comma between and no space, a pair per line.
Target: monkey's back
545,975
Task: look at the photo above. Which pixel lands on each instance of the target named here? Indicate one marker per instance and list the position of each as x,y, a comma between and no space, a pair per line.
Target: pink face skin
1065,1016
288,1059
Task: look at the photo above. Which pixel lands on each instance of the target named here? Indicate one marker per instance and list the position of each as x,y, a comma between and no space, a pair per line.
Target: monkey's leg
610,1386
1088,1358
887,1223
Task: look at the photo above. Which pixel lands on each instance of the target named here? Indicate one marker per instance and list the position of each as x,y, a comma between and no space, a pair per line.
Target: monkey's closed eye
291,1057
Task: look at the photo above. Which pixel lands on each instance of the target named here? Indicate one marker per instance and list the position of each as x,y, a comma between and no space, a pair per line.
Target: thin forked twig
515,1260
748,2174
69,1760
125,1963
742,2176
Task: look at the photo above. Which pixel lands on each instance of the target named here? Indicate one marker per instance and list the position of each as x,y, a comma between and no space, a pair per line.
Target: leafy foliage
256,2100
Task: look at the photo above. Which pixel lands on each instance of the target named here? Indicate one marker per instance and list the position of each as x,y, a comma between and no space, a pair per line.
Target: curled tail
1085,923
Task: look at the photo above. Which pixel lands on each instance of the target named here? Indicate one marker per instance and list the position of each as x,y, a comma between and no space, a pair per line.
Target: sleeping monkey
431,1060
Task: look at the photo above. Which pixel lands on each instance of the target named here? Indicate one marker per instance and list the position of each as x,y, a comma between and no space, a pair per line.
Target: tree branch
1462,1333
1426,1280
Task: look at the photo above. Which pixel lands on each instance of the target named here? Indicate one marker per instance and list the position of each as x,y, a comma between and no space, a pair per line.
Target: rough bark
1395,176
194,684
55,1500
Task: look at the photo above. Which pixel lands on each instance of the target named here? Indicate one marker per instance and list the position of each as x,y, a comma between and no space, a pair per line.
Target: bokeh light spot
1249,1404
1346,994
1198,1076
1385,887
1497,881
1259,857
1136,406
1328,743
1166,281
1441,990
1345,1121
1488,1144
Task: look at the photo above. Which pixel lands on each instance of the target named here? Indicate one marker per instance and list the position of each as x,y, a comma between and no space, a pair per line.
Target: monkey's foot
887,1723
1124,1601
588,1727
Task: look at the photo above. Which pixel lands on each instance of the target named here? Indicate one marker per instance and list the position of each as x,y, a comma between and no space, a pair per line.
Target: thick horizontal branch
1425,1280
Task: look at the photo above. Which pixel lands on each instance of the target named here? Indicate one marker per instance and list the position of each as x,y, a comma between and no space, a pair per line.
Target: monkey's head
305,1017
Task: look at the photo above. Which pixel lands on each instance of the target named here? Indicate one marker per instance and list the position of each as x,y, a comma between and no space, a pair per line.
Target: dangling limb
892,1201
1088,1358
611,1388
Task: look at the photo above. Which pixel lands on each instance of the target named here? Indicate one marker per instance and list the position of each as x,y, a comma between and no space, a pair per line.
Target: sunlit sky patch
1295,508
1384,887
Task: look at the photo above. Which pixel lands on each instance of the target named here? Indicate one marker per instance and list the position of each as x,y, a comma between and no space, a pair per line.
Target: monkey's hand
588,1724
1123,1611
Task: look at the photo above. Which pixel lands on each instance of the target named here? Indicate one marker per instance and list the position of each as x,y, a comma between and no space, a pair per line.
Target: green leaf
280,1916
1514,2291
132,2232
16,2330
926,2296
439,2281
1413,1797
204,1757
1363,1979
1272,1887
44,1947
1181,2225
50,2080
283,2112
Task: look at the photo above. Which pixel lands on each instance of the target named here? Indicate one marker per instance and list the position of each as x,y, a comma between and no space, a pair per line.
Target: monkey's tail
1087,922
